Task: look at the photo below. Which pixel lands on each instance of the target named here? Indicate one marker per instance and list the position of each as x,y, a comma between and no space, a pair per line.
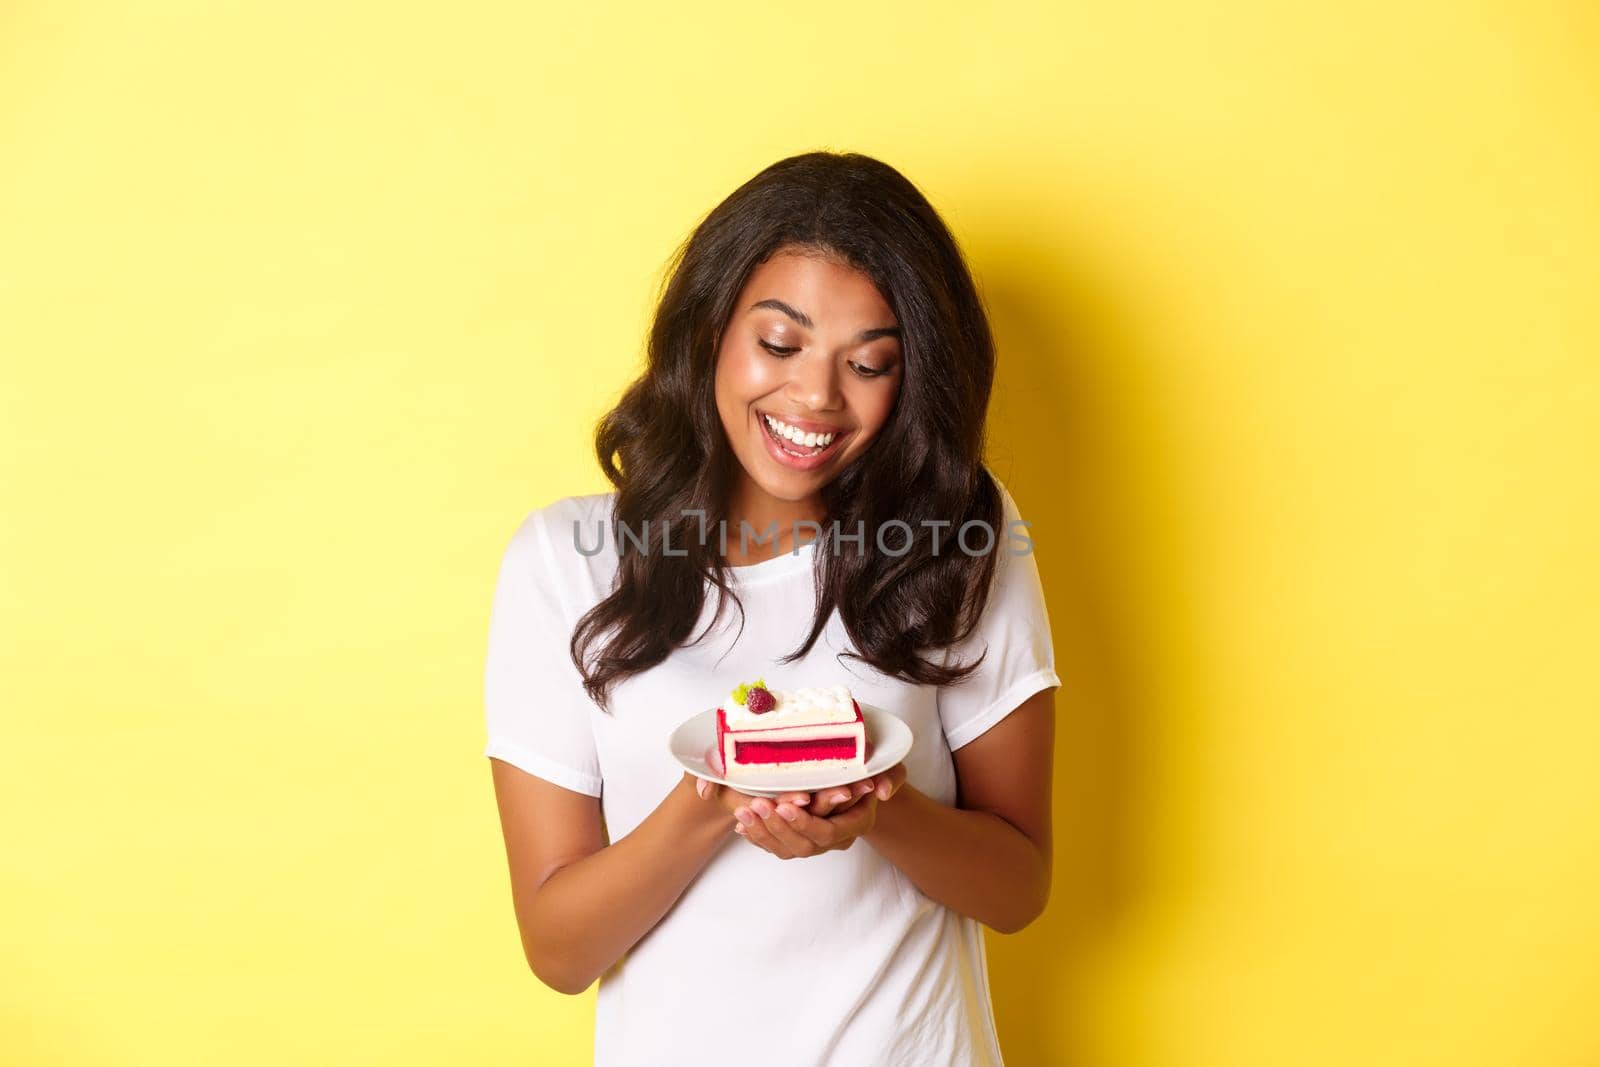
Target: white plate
694,745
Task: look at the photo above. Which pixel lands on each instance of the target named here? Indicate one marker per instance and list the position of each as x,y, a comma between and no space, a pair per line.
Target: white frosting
795,707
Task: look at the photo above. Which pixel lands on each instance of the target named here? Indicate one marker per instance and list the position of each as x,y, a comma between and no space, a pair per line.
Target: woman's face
813,345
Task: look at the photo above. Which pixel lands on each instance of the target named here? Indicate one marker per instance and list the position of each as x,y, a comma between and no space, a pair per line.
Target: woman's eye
783,352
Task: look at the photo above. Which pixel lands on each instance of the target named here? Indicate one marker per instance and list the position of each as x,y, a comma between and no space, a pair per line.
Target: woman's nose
814,384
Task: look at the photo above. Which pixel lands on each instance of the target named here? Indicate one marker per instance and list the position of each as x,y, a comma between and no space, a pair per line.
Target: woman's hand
726,797
794,825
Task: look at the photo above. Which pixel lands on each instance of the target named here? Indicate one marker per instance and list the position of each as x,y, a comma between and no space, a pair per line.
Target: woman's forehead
821,288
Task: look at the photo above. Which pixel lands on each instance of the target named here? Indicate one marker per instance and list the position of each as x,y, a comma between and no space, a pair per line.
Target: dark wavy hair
664,448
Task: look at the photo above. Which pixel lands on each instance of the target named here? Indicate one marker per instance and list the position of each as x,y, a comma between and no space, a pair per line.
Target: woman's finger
756,832
837,798
889,782
780,828
828,801
858,818
822,833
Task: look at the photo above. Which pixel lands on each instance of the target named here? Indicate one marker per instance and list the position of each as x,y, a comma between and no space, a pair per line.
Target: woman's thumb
703,787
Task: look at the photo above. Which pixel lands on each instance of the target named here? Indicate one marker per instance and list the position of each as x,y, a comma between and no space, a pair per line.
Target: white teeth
798,436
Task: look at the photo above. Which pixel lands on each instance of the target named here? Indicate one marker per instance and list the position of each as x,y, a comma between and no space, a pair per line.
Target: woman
819,371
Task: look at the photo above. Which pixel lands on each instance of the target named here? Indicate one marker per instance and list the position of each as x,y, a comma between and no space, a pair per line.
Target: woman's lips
789,459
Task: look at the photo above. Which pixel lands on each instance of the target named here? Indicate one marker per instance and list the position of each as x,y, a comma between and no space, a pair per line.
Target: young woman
819,356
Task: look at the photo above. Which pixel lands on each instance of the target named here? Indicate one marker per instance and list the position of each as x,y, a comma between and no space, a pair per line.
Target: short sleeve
1014,627
536,708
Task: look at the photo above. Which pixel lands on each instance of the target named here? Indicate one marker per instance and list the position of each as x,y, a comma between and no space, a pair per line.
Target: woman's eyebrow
805,320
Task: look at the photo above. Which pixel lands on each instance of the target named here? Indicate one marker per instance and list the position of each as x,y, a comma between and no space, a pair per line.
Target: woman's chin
790,486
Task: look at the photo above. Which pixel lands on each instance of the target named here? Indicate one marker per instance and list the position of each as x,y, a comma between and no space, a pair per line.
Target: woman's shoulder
1008,504
566,534
561,513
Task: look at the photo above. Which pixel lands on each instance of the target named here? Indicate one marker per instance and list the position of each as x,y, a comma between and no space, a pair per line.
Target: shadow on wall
1082,477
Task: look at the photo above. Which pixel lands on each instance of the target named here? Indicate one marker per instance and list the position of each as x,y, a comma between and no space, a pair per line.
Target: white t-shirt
863,967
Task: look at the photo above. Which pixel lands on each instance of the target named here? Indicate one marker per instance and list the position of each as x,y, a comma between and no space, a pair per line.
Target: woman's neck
771,523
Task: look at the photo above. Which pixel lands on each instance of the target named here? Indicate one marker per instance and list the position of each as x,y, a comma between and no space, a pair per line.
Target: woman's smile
796,448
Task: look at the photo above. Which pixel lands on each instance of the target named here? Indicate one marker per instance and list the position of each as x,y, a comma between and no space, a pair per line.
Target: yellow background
304,306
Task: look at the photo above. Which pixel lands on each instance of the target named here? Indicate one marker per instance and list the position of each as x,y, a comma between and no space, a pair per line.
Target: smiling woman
819,356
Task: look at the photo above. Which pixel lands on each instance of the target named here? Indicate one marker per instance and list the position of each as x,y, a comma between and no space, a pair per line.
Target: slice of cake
819,728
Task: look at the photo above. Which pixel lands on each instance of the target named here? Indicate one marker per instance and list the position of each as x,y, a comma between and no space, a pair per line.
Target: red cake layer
787,751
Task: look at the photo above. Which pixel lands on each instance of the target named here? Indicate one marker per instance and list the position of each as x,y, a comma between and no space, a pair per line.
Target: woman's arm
988,858
581,903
